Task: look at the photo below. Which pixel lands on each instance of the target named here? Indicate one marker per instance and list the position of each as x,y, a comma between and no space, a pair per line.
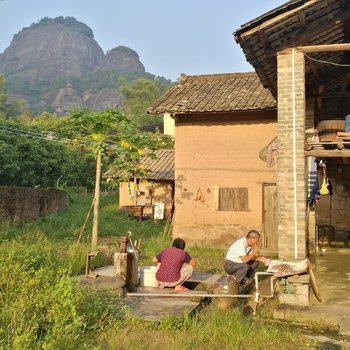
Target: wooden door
270,217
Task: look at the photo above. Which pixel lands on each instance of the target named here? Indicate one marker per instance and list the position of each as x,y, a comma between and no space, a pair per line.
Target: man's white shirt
238,248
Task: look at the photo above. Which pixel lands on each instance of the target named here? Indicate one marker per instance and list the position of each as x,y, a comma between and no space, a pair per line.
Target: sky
171,37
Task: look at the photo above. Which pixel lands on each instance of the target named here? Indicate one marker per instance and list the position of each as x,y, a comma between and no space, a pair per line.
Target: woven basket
327,130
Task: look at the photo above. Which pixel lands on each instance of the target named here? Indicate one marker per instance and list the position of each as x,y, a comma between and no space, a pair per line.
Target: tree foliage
29,159
67,21
121,142
140,94
45,150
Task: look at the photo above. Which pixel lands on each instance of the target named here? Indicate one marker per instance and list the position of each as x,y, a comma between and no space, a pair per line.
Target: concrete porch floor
332,273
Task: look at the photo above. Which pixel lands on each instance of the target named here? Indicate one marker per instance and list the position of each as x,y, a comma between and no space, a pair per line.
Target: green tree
110,133
28,158
94,128
3,97
139,95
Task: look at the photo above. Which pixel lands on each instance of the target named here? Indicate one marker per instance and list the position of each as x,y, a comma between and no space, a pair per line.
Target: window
232,199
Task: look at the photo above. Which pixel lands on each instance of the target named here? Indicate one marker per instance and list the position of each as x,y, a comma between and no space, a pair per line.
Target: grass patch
212,329
66,225
42,308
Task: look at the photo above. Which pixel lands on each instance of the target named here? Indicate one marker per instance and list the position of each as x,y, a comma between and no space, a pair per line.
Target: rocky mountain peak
52,47
46,56
122,58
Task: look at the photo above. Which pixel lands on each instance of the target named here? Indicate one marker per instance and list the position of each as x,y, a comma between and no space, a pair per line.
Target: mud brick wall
20,204
213,152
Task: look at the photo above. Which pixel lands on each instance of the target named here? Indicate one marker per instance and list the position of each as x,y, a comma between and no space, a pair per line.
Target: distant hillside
56,65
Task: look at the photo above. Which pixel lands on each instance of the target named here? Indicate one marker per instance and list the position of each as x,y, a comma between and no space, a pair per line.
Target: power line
49,136
326,62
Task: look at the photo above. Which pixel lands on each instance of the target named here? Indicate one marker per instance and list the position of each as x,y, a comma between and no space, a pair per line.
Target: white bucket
148,276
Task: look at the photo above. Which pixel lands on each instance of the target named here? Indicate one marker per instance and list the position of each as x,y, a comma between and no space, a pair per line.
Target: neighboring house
156,187
222,121
169,125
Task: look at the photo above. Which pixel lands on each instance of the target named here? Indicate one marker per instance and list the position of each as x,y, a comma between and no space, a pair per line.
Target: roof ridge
203,76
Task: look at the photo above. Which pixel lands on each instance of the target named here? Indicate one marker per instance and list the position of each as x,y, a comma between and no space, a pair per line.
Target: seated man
242,259
175,266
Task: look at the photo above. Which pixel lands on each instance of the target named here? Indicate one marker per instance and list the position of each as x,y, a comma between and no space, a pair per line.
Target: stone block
302,279
302,289
293,299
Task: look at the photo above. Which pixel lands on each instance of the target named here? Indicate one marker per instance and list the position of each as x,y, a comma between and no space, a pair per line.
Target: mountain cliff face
56,65
121,59
44,52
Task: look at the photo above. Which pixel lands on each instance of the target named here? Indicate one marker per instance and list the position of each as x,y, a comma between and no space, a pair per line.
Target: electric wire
49,136
326,62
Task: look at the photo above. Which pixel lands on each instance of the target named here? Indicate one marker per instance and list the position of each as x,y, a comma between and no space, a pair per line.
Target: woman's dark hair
179,243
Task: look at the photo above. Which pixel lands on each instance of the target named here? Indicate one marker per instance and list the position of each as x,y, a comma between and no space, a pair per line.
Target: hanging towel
312,188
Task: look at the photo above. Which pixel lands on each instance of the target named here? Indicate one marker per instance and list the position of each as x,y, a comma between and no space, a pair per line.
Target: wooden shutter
233,199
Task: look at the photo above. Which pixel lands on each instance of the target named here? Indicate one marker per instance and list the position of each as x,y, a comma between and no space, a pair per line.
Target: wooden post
96,203
86,220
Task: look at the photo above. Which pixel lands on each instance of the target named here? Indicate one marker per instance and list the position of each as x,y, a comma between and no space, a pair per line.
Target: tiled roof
215,93
299,23
162,167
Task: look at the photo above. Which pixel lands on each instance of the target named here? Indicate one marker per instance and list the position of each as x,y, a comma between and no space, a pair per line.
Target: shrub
41,306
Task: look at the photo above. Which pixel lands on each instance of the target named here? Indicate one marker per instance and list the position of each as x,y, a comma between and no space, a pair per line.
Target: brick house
222,121
300,52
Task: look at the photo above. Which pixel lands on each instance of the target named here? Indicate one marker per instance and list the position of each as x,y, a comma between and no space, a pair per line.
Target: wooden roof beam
324,48
277,18
305,35
327,153
301,17
346,26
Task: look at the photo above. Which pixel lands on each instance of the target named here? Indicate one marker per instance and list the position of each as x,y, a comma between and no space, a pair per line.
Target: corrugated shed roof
298,23
163,166
215,93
